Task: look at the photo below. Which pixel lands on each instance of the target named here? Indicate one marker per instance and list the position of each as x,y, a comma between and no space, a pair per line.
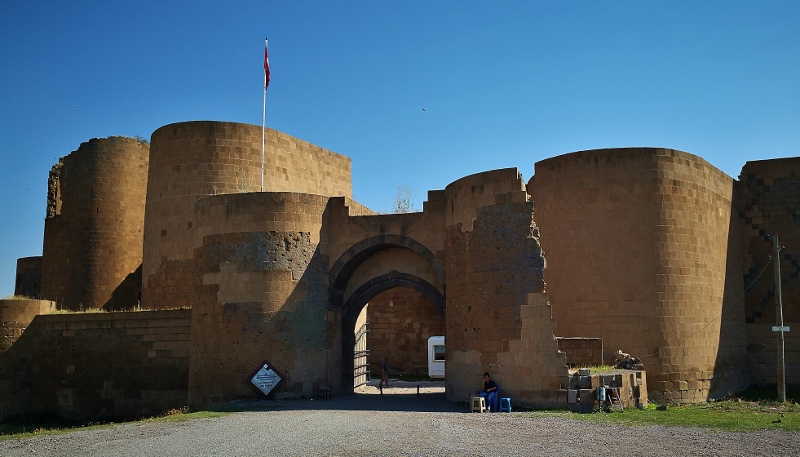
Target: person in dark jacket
490,391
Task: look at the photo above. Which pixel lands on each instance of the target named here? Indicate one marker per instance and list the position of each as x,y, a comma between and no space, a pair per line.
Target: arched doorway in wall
401,320
402,310
403,283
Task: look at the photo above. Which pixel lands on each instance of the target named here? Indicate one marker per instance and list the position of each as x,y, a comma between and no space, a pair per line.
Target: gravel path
397,422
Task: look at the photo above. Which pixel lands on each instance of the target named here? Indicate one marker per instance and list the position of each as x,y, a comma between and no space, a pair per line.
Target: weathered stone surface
93,233
644,251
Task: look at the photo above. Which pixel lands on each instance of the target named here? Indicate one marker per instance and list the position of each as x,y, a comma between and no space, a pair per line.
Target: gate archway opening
369,269
403,311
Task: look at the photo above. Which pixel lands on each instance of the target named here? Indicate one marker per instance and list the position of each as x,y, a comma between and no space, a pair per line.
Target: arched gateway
282,277
352,299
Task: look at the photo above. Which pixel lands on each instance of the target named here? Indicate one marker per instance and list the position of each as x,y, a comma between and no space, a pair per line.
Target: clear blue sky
503,84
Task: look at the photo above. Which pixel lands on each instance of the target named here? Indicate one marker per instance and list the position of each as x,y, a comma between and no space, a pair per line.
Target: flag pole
264,109
263,119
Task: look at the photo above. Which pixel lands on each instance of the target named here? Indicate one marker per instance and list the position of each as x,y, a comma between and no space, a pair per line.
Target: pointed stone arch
348,262
350,307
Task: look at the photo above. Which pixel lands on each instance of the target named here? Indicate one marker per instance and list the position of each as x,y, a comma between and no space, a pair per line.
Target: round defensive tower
92,245
642,250
191,160
262,294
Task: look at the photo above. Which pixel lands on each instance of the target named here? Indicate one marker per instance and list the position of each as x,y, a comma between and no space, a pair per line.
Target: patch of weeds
29,425
183,415
32,424
593,369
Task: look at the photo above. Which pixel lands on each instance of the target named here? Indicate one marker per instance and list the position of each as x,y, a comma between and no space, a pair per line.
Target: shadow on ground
398,397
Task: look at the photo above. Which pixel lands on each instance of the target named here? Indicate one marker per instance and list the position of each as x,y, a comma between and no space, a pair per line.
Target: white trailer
436,356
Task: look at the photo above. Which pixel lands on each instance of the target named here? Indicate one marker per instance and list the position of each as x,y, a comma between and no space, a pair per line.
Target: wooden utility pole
779,328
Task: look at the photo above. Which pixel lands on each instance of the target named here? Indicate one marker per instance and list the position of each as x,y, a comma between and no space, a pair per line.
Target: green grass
594,369
754,409
746,412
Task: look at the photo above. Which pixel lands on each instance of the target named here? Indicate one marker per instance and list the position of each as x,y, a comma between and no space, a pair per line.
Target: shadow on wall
128,294
263,296
97,366
730,367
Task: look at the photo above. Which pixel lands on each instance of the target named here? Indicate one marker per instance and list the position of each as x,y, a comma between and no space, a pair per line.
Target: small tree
404,200
245,183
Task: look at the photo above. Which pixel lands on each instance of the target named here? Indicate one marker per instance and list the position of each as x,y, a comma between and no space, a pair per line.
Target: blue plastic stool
505,405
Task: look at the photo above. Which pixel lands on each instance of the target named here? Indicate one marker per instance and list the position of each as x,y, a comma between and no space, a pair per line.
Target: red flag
266,65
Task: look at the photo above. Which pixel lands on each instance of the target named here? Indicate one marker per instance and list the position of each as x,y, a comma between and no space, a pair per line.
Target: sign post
266,379
781,362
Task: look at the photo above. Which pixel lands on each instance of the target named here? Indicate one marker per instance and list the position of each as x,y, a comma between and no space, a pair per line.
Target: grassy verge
28,426
752,410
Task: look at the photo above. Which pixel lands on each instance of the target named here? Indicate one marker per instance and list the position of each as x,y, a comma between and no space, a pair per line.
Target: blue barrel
601,393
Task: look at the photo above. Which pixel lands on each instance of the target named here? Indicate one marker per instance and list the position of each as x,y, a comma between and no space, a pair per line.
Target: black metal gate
361,356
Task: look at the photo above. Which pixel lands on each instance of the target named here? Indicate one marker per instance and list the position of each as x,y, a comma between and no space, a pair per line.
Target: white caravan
436,357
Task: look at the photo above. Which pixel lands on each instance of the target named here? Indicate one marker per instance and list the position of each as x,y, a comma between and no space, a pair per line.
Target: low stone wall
579,391
99,366
581,351
16,315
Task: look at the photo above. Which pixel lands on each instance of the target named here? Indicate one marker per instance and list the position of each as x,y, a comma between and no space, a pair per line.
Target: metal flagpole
263,119
264,109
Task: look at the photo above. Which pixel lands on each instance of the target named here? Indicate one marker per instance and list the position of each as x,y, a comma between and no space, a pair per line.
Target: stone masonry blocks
658,268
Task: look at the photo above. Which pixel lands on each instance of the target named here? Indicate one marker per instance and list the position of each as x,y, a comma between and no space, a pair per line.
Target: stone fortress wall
191,160
638,245
644,249
93,230
97,366
769,202
262,290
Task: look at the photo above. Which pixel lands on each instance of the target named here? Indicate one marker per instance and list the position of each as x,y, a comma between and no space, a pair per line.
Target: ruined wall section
769,195
98,366
191,160
29,277
262,294
638,248
93,231
497,315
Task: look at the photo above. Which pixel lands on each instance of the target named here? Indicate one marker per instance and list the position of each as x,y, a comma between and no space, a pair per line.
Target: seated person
490,391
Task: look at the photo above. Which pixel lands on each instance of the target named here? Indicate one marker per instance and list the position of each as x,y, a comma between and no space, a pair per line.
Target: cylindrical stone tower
93,229
262,294
191,160
642,250
29,277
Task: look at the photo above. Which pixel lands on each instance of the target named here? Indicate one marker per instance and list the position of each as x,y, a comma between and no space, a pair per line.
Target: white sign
266,379
776,328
